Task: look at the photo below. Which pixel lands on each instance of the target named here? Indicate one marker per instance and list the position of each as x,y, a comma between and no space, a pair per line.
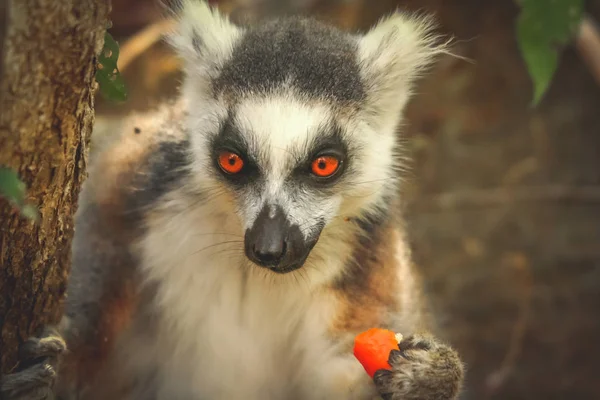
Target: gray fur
100,264
166,169
102,261
423,368
36,376
316,59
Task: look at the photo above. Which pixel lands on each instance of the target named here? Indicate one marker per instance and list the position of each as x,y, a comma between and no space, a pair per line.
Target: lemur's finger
33,383
383,382
50,344
423,369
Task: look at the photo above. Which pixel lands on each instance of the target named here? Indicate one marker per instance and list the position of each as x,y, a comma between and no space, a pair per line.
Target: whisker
214,245
217,233
229,251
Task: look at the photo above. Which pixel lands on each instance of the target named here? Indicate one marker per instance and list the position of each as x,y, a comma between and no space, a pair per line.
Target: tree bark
47,91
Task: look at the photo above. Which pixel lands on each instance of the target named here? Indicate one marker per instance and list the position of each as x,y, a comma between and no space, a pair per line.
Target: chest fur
228,337
227,330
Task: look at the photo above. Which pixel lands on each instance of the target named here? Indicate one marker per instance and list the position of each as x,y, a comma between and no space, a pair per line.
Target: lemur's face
296,122
294,169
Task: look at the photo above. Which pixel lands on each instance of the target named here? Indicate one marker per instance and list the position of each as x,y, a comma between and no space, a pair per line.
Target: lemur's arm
425,368
96,308
100,298
102,290
382,289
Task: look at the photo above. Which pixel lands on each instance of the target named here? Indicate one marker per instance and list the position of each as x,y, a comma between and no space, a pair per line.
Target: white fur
216,35
231,330
204,39
392,55
283,125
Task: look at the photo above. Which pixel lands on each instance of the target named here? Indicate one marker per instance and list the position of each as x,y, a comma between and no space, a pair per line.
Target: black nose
269,253
266,242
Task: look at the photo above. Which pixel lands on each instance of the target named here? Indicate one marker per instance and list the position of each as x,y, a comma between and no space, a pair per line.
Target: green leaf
11,186
29,211
544,27
108,77
14,190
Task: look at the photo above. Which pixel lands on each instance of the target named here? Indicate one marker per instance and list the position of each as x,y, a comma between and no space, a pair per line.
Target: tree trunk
47,90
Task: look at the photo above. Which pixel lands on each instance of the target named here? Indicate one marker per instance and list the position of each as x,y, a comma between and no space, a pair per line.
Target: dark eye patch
329,142
230,139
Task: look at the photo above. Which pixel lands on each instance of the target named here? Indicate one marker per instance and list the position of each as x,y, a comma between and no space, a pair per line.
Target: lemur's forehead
317,60
282,129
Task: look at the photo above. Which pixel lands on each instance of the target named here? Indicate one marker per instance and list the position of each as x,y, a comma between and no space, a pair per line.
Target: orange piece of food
372,348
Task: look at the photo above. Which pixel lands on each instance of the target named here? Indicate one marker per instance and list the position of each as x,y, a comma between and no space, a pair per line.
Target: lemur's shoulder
131,170
127,174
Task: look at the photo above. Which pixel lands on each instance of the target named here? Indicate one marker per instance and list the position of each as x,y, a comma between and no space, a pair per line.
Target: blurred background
503,199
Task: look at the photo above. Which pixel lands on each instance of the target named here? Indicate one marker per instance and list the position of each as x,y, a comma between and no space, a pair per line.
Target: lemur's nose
266,242
269,253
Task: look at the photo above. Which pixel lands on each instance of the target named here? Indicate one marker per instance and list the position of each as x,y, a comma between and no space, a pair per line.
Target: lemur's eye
325,166
230,162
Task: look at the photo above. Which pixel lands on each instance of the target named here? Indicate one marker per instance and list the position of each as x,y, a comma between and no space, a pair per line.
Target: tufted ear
203,38
392,55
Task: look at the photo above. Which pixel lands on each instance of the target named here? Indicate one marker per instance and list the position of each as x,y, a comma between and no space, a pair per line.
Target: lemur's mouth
272,242
287,268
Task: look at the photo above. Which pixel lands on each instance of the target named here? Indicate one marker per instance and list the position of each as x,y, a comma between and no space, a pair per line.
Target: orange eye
325,166
230,162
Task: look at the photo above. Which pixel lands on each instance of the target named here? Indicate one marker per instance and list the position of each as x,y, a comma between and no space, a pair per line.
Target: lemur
232,244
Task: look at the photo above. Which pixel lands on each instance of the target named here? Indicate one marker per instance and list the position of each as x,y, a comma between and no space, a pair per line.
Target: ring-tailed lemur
232,244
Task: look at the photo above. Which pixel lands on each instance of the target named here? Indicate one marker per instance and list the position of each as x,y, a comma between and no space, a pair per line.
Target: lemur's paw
423,369
50,344
33,383
36,374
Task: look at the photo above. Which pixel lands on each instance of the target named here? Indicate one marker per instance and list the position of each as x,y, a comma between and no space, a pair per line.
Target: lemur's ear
204,38
392,55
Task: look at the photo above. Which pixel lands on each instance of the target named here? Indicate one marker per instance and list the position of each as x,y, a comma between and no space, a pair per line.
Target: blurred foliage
108,76
544,27
14,190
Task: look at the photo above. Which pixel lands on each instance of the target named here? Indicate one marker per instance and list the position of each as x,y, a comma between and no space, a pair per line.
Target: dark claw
395,356
415,343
